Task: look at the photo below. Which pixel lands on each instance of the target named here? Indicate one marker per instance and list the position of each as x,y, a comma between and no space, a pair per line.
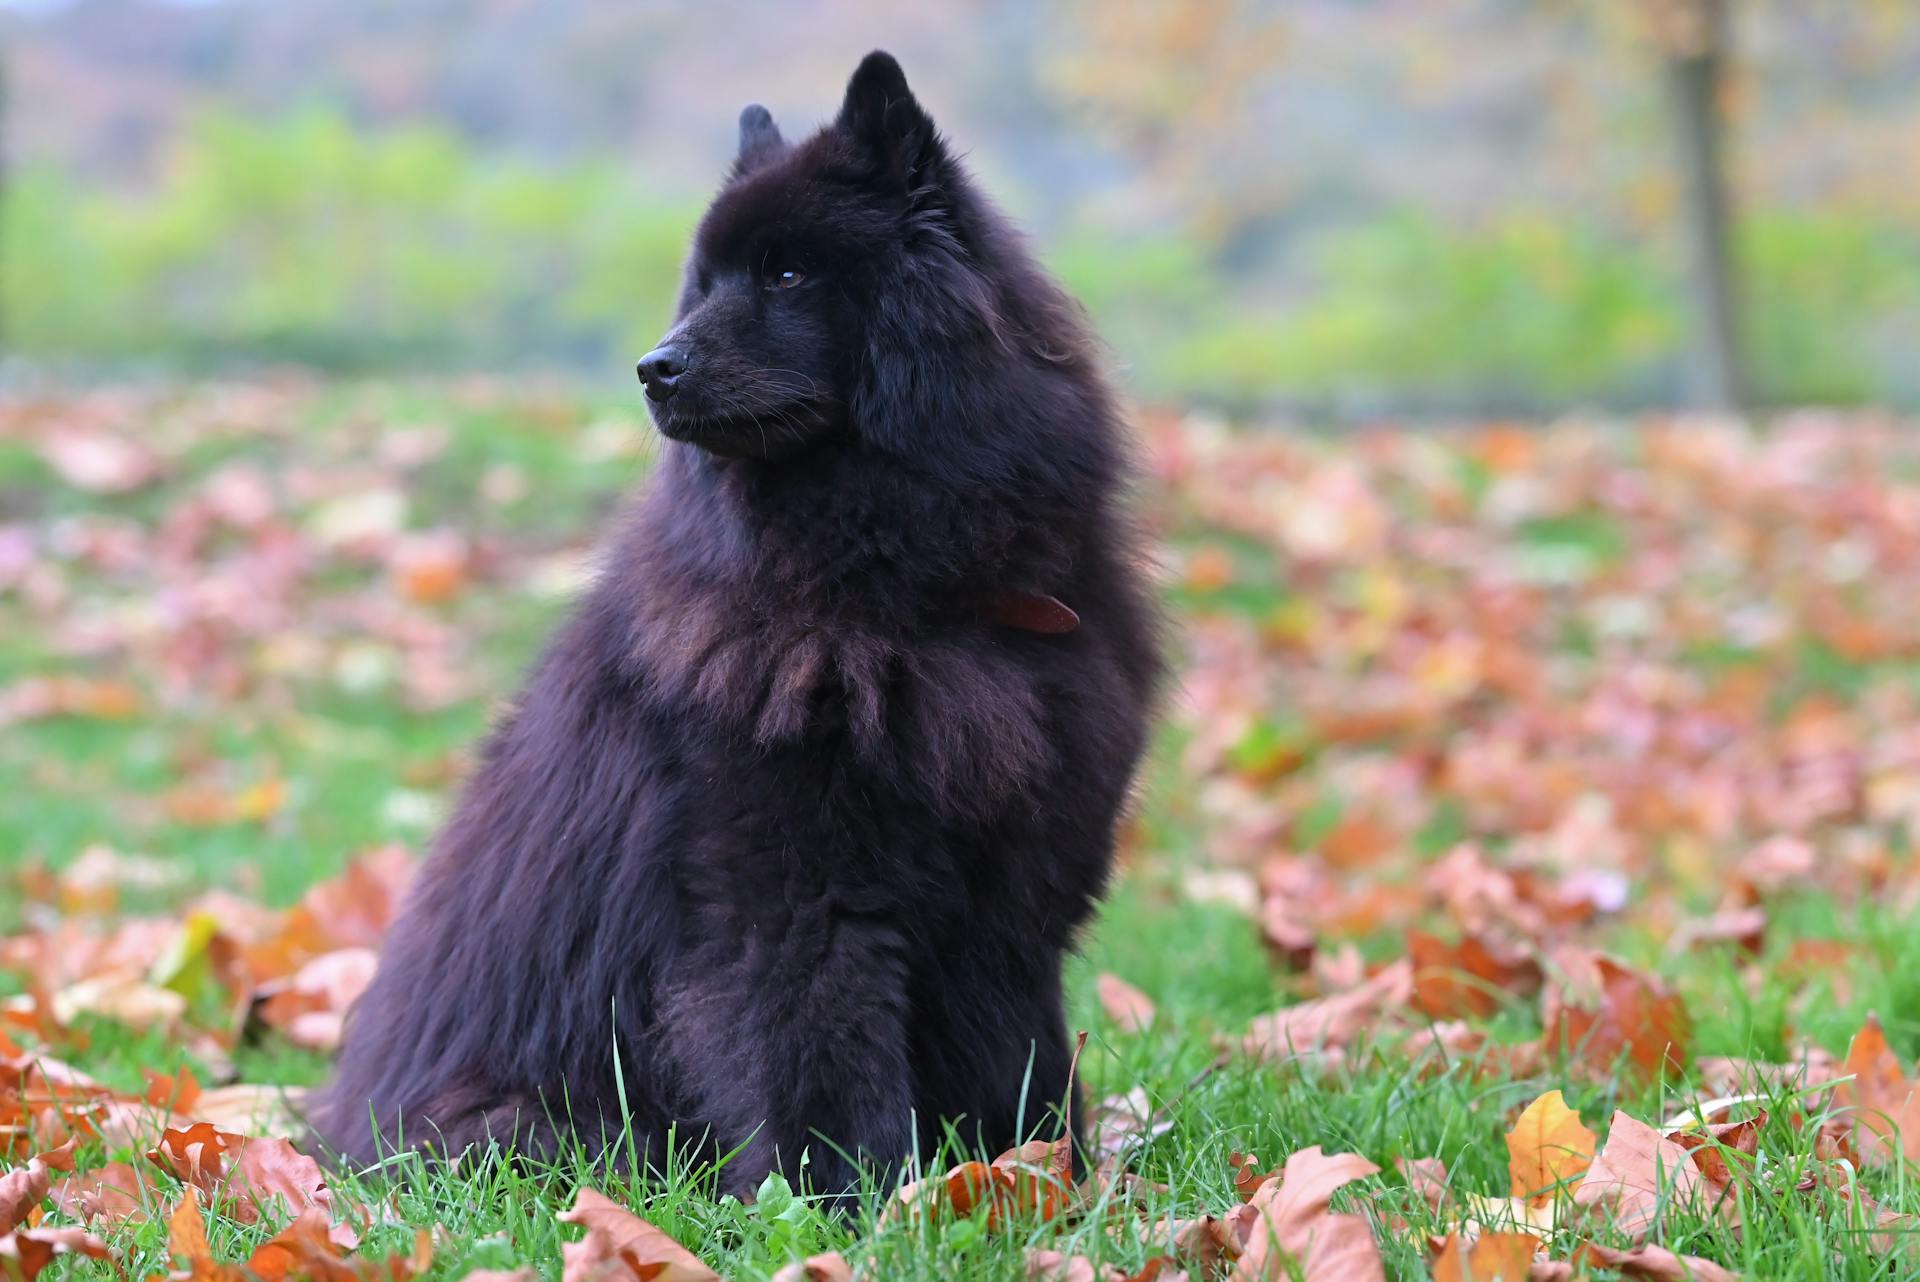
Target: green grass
362,768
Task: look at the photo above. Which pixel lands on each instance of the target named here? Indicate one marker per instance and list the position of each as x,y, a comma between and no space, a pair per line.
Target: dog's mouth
773,432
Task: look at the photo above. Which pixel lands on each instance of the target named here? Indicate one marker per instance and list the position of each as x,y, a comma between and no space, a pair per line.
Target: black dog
793,823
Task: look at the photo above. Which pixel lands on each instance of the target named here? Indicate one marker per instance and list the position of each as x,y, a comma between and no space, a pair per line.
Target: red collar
1029,612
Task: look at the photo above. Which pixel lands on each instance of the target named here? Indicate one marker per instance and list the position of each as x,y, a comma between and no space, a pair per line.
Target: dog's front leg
798,1046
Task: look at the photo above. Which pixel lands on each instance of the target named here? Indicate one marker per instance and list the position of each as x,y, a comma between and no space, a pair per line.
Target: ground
1460,708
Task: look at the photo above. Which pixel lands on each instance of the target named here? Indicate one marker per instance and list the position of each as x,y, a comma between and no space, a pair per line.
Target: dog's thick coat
792,820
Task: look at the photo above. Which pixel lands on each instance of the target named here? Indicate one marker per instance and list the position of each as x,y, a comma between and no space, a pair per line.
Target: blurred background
318,322
1335,206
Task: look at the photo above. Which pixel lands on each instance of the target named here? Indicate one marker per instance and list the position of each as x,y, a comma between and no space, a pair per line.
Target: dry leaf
1655,1264
1548,1150
1604,1014
1492,1257
1331,1022
25,1252
1128,1007
1637,1175
114,1193
1293,1226
830,1267
1468,978
1882,1100
645,1251
22,1191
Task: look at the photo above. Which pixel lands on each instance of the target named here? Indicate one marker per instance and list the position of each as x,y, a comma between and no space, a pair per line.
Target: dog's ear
759,139
881,113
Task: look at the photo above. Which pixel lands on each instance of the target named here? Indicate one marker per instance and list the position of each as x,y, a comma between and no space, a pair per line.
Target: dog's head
828,283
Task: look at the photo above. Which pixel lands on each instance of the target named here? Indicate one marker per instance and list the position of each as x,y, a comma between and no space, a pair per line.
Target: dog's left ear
882,113
759,139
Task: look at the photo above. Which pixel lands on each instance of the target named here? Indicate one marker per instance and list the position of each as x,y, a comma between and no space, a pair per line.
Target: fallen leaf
830,1267
22,1191
1603,1015
1882,1100
1248,1175
1331,1022
310,1006
1128,1007
647,1252
1472,977
1294,1227
1654,1263
1548,1150
25,1252
1636,1175
1491,1257
114,1193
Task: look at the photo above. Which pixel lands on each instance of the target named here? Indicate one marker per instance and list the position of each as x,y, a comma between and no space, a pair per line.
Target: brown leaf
1125,1005
1605,1014
1468,978
113,1193
25,1252
1211,1242
1248,1175
1548,1150
1331,1022
1053,1266
187,1240
252,1174
310,1006
22,1191
1884,1105
1712,1144
1637,1175
195,1155
644,1251
1654,1263
251,1109
1492,1257
1295,1229
830,1267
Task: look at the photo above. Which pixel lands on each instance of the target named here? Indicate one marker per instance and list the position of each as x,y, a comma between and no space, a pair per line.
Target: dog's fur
788,821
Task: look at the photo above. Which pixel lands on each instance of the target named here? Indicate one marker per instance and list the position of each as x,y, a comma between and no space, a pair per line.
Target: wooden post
1695,37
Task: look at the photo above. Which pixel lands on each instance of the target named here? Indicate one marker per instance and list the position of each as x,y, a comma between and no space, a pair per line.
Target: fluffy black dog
793,823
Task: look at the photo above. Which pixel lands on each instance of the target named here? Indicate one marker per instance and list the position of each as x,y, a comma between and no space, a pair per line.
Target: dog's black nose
660,369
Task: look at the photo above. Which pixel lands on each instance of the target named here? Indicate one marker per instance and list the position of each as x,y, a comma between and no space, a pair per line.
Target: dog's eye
785,279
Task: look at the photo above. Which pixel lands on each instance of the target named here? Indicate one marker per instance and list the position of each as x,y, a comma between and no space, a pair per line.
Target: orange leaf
1467,978
25,1252
1493,1257
1548,1150
1607,1014
1885,1108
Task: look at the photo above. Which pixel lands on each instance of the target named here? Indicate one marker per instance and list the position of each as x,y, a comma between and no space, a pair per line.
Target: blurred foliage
301,238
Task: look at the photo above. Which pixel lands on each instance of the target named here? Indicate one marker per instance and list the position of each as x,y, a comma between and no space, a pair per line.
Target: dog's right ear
881,113
759,139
